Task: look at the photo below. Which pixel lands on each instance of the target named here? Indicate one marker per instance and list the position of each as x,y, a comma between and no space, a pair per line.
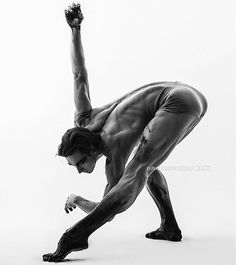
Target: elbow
125,203
79,72
125,200
80,76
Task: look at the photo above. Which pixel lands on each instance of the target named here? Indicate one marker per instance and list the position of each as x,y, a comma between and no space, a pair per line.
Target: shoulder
93,119
83,119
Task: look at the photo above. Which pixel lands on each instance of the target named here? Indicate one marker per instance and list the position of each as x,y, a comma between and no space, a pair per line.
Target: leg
158,189
159,138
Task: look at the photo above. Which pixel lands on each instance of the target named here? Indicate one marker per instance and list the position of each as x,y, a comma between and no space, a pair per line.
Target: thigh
161,135
188,131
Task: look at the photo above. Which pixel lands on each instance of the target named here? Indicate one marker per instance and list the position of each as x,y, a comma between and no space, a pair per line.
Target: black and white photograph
118,124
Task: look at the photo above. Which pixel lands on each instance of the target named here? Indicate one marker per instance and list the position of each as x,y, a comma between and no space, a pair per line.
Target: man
156,117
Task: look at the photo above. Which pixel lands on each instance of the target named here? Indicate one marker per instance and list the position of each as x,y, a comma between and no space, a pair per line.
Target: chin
88,171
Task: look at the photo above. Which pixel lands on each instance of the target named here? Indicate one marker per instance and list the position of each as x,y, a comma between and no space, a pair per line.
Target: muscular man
155,117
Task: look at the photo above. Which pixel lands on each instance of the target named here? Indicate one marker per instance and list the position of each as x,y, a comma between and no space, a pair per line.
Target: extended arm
74,18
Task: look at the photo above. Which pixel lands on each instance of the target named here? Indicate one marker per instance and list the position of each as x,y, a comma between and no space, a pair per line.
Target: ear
92,150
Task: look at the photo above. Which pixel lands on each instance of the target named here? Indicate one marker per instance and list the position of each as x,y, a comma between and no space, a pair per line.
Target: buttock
184,99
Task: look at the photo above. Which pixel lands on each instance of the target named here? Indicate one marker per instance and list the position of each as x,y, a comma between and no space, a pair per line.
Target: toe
50,258
46,256
150,235
155,235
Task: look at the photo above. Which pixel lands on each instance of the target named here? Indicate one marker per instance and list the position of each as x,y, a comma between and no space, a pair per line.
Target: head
81,148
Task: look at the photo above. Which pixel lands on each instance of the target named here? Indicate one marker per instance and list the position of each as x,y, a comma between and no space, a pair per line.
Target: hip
183,99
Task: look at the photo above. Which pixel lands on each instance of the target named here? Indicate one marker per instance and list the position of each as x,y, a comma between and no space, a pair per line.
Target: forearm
85,205
88,206
77,53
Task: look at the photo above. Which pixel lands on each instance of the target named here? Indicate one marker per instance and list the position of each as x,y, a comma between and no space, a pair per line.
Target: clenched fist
74,16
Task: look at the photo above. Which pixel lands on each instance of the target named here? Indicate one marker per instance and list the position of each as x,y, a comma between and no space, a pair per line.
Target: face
83,163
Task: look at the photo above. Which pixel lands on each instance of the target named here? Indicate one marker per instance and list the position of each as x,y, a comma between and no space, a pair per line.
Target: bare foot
166,233
66,245
74,16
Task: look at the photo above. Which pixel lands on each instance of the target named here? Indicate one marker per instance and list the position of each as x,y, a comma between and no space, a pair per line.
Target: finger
73,205
66,209
69,205
71,209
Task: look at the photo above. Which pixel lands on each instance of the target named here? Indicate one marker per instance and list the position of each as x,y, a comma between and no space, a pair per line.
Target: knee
149,182
120,199
156,179
124,203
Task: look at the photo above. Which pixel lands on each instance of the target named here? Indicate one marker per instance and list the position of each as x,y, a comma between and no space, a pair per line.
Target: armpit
82,119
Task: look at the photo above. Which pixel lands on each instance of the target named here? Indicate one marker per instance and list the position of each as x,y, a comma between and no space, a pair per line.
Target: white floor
26,247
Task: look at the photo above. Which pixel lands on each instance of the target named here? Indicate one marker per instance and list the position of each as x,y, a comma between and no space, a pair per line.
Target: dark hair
78,138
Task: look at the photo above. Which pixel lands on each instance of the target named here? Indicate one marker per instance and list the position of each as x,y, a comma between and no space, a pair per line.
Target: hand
74,16
70,203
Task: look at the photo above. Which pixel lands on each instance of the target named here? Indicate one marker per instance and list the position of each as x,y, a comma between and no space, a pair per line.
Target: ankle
170,226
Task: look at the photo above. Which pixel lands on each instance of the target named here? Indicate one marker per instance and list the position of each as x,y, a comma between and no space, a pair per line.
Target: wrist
75,28
77,200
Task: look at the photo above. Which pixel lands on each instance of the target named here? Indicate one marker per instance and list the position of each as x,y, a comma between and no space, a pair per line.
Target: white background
127,44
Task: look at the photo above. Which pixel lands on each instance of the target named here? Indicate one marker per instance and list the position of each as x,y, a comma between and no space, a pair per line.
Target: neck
105,150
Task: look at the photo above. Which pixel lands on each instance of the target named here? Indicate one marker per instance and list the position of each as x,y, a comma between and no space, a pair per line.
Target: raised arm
74,18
